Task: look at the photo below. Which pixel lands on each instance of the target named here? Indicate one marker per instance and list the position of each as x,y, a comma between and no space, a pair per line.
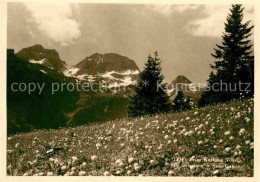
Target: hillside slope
211,141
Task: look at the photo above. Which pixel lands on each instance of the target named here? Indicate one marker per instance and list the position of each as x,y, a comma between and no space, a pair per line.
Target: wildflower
25,174
227,133
169,142
242,131
136,166
248,142
247,119
187,118
192,167
152,162
84,164
231,138
106,173
71,173
74,159
82,173
51,159
93,157
200,142
227,149
129,172
49,151
130,159
166,137
216,172
63,168
170,173
195,113
49,173
17,145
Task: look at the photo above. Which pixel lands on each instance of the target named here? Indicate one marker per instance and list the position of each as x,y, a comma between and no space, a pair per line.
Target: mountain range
36,64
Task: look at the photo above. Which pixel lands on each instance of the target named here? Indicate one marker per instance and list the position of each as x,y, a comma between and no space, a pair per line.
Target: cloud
167,9
213,23
55,21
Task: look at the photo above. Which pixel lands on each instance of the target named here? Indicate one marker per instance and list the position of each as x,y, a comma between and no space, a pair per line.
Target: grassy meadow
210,141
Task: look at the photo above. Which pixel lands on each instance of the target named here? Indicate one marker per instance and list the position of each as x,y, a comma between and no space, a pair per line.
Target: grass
210,141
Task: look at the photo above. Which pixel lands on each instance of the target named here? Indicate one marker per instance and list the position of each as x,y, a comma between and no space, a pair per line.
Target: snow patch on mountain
43,71
37,62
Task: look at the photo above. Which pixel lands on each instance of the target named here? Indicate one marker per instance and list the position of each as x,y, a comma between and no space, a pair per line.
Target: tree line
233,64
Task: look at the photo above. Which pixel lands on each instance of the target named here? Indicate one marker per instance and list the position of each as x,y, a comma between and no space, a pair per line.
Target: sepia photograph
129,89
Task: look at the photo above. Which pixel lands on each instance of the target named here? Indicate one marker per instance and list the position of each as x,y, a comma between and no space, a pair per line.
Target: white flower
51,159
98,145
118,161
129,172
169,142
152,162
248,142
25,174
216,172
242,131
170,173
136,166
17,145
227,149
187,118
195,113
130,159
227,133
82,173
74,159
93,157
231,138
49,151
84,164
247,119
166,137
192,167
50,174
63,167
200,142
106,173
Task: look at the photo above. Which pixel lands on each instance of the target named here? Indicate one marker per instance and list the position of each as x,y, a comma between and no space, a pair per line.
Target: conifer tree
179,103
234,61
151,97
188,103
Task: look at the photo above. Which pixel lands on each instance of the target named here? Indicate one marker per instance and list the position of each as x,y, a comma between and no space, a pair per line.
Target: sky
184,35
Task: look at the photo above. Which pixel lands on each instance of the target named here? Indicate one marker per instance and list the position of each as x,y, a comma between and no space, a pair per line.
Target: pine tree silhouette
151,97
234,61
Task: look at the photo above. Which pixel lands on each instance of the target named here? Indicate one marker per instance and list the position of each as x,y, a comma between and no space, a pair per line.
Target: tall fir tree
151,97
188,103
234,61
180,103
